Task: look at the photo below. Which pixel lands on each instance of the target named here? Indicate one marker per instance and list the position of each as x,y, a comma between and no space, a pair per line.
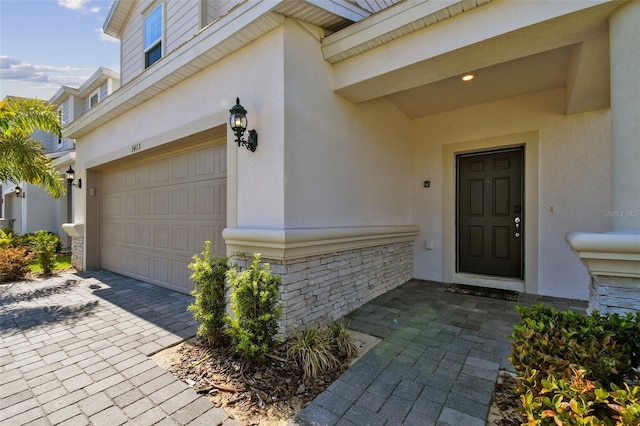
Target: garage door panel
161,203
111,259
112,206
157,215
112,232
180,275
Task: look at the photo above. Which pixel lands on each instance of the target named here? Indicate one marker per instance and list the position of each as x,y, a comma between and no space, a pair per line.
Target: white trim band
610,253
286,244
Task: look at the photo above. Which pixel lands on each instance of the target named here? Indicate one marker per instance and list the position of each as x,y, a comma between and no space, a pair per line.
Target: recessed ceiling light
467,77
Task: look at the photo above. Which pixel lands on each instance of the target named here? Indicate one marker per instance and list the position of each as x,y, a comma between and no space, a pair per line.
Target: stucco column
624,45
613,258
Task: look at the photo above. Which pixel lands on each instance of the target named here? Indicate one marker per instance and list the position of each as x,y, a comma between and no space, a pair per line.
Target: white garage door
157,213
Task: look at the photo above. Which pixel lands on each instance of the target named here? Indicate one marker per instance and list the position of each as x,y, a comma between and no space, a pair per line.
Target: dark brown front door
490,213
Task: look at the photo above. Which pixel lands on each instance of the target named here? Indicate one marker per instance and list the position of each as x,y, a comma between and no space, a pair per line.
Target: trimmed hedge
576,369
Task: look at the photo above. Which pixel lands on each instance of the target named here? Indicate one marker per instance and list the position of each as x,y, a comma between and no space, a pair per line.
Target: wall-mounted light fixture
238,123
71,175
19,192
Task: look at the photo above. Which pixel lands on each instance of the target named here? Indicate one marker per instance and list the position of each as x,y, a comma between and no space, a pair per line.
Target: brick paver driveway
74,351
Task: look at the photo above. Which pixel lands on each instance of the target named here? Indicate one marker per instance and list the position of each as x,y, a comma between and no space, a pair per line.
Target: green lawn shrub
254,303
44,244
14,263
577,369
8,238
26,239
210,289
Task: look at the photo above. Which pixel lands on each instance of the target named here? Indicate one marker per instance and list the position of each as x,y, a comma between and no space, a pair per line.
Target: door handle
517,221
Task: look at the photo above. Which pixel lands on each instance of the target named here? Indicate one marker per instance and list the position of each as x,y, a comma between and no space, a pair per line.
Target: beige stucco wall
573,190
200,104
345,164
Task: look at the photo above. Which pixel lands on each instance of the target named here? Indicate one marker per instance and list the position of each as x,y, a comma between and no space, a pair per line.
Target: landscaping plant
44,245
256,311
209,307
311,348
575,369
343,344
8,238
14,263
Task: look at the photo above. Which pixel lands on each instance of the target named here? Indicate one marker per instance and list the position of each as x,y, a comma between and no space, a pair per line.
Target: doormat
493,293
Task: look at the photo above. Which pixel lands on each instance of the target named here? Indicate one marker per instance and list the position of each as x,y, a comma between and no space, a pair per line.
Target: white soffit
375,5
332,15
389,24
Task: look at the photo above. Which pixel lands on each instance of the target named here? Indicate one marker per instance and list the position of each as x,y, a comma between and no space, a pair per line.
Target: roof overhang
240,27
318,12
408,55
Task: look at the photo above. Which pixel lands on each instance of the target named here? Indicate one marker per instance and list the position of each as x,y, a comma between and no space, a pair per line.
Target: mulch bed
268,394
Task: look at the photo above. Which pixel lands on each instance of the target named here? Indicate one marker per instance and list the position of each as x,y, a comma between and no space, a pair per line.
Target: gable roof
91,84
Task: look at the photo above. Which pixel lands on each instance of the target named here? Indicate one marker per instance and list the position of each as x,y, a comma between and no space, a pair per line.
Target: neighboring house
35,209
28,208
376,162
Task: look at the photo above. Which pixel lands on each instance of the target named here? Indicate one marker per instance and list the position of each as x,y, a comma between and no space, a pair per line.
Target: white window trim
161,39
94,93
61,116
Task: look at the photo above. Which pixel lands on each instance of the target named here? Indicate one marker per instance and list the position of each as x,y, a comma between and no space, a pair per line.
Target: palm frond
23,159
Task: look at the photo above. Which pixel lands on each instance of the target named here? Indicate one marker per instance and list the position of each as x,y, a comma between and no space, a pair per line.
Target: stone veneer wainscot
328,273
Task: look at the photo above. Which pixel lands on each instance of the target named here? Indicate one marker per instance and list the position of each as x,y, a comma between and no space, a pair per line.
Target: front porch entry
489,213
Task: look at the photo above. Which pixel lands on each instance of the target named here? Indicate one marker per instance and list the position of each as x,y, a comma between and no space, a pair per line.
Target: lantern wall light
71,175
238,123
19,192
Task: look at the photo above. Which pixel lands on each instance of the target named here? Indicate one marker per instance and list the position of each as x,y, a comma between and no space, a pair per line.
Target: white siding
66,110
78,107
132,48
225,6
104,91
183,21
210,10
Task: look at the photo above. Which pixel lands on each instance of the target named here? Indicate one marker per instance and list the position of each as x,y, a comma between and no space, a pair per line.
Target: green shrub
14,263
209,307
8,238
311,348
254,303
26,239
575,369
44,245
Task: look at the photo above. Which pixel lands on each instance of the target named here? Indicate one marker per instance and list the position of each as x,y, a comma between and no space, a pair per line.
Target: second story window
93,101
153,37
61,118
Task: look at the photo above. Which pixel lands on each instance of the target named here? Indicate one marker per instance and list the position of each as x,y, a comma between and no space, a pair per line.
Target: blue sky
45,44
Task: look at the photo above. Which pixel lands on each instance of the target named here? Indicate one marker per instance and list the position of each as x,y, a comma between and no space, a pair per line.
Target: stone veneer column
76,232
613,258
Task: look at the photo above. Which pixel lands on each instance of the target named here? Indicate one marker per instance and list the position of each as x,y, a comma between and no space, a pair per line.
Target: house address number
135,147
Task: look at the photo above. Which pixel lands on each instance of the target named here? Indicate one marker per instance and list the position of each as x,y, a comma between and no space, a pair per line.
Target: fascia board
63,90
341,8
494,23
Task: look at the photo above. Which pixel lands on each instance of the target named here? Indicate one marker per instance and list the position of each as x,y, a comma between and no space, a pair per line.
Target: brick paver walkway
74,351
436,365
